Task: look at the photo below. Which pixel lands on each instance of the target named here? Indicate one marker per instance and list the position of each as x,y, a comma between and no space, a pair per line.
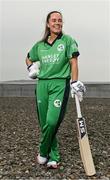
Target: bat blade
85,150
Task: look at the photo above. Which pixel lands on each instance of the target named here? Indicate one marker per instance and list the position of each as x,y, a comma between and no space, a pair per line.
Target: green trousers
51,99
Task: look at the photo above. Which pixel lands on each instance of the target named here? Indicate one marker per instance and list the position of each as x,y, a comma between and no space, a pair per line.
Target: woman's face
55,23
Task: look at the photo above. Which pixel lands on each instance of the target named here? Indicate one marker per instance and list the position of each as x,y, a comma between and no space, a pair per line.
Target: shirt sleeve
72,49
33,53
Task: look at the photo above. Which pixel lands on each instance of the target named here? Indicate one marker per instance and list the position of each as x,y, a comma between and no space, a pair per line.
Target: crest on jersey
57,103
60,47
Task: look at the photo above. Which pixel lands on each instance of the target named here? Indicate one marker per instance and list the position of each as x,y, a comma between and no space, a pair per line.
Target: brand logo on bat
82,127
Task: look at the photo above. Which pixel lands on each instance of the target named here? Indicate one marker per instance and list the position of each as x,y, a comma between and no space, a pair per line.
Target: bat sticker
82,127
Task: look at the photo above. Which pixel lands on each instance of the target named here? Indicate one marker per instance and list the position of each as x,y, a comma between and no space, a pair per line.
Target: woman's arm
28,62
77,87
74,69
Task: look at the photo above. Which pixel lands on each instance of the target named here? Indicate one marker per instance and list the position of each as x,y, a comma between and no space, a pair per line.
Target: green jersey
54,58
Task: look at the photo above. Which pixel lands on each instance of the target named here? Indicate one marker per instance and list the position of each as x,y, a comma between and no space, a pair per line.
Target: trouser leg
41,105
56,109
54,154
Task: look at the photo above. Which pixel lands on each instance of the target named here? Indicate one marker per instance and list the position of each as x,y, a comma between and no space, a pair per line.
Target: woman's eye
55,20
60,20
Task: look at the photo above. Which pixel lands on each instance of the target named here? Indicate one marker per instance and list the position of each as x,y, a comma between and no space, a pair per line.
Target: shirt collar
58,37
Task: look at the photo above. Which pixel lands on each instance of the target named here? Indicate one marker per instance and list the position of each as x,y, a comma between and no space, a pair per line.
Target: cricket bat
84,146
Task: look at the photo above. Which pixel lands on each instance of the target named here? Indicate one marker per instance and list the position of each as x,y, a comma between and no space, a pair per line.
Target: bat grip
78,108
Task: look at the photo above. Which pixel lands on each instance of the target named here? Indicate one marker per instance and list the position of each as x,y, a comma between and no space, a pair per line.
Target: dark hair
47,30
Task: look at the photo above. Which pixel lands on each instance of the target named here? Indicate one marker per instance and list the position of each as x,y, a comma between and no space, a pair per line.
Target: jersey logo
57,103
60,47
50,58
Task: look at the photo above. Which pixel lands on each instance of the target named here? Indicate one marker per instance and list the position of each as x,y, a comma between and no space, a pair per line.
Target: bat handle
78,108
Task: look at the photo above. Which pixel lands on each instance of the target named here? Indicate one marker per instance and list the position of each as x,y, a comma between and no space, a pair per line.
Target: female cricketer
54,62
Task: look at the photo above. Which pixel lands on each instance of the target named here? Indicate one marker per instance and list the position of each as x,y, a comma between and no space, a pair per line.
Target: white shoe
41,160
52,164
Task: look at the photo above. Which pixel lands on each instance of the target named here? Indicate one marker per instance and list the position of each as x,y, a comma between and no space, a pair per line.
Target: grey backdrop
22,24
